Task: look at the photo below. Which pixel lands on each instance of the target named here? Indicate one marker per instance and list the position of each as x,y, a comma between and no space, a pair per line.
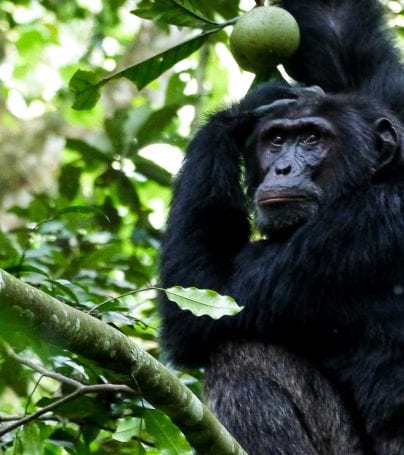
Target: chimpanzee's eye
277,139
310,139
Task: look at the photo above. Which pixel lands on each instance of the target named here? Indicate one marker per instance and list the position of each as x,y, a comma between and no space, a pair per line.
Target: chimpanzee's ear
387,140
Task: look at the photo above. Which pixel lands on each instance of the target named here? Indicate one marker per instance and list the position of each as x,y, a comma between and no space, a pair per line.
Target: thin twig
40,369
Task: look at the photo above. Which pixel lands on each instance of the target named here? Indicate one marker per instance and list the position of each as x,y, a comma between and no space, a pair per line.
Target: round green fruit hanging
263,38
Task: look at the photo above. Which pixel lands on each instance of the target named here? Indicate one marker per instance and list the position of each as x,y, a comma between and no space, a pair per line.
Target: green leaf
64,286
152,171
87,151
69,180
203,302
24,268
125,125
226,8
127,428
154,126
148,70
85,87
31,439
176,12
8,252
167,437
79,408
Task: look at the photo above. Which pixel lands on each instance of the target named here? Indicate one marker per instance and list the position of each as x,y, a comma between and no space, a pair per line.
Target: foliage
93,241
85,193
85,85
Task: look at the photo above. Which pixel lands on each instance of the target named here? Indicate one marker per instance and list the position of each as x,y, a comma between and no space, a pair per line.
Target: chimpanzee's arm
208,226
345,46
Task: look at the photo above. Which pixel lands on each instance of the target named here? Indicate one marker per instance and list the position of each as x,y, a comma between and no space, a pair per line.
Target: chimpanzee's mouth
279,198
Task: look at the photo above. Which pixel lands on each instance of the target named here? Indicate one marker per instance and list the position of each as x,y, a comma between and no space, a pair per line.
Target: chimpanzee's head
306,149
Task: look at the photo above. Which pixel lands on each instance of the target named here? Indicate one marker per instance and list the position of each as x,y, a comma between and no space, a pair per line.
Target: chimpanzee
314,364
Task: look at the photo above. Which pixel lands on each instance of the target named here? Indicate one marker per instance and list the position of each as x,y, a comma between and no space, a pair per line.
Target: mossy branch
58,323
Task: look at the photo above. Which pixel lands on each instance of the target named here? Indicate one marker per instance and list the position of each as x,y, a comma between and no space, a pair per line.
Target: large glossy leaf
176,12
203,302
86,85
145,72
168,439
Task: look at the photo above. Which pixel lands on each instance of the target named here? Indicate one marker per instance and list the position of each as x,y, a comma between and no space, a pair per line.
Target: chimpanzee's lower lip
279,200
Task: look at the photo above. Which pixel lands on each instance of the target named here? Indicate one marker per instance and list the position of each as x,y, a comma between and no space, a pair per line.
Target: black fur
330,291
276,403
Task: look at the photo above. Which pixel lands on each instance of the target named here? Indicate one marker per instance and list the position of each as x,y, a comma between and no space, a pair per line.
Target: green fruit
264,37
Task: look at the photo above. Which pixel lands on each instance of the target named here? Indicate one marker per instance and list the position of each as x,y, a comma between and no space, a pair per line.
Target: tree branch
58,323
